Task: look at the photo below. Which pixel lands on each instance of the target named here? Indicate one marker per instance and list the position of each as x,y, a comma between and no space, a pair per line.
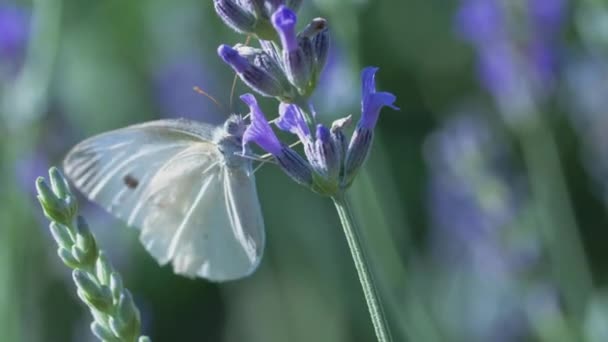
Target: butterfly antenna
233,89
204,93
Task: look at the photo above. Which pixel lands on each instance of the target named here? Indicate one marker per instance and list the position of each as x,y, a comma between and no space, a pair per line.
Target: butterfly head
235,126
229,140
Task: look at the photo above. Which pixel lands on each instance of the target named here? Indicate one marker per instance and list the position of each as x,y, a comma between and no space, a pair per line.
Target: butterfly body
185,185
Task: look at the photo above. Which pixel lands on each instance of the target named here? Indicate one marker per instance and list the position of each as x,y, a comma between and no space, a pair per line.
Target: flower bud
116,285
318,35
102,332
295,166
97,296
235,15
327,153
337,133
261,78
297,53
358,150
62,235
320,43
66,256
103,269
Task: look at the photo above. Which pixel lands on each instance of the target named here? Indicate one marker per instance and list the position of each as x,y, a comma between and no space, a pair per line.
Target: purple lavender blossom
14,32
480,21
473,207
464,159
507,66
292,119
372,101
546,19
284,21
259,131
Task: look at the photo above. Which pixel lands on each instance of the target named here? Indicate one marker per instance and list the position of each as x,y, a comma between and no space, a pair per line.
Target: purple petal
291,119
232,58
14,31
480,21
368,81
372,101
547,15
284,21
323,134
259,131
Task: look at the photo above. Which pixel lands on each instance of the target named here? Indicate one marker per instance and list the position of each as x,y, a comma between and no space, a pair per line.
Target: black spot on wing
130,181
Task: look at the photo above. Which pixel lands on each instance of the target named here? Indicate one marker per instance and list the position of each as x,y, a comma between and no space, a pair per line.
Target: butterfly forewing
168,179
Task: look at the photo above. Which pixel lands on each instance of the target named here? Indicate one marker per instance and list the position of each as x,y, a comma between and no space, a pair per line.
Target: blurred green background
485,219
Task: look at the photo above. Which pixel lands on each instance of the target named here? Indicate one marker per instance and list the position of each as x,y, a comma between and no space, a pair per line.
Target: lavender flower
289,74
372,103
260,132
14,32
258,70
326,153
298,57
472,202
512,70
331,165
252,16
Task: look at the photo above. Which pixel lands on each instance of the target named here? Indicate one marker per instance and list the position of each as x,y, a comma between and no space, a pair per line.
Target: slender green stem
363,270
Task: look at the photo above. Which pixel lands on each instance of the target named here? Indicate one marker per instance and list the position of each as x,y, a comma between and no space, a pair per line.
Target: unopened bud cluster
287,64
99,285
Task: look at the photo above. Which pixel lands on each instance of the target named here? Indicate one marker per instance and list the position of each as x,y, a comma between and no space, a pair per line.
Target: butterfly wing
167,178
220,230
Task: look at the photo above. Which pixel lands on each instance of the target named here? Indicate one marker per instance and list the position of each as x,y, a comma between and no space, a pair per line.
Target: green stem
363,270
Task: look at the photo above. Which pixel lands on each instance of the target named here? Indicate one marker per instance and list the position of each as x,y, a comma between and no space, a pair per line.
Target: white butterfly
185,185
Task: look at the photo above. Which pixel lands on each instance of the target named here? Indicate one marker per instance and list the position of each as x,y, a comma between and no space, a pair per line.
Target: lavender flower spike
260,132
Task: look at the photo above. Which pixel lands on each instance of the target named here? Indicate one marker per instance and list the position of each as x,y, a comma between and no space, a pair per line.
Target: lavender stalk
100,287
286,67
372,297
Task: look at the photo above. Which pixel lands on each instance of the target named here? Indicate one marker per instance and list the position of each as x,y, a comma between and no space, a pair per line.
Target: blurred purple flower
173,89
474,204
547,16
468,196
480,21
505,63
14,32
